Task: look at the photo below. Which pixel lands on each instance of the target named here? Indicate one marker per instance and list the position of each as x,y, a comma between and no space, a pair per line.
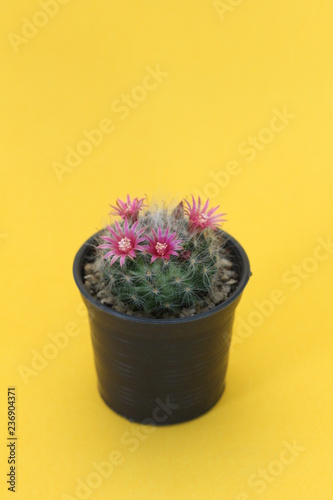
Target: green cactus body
167,286
161,263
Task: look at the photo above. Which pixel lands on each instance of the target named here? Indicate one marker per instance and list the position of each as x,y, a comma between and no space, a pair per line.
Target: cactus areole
161,287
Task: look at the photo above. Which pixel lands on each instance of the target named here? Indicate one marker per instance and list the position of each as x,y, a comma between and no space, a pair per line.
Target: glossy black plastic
161,371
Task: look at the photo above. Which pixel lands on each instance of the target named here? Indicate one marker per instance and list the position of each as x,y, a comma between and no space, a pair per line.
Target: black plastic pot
167,370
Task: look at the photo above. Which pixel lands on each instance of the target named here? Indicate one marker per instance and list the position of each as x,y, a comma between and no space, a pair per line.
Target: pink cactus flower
123,242
128,209
199,218
161,246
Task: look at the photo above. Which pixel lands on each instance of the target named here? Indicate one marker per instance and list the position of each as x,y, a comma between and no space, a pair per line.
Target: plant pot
161,371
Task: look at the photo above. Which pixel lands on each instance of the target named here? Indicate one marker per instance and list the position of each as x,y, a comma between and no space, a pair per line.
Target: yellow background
226,74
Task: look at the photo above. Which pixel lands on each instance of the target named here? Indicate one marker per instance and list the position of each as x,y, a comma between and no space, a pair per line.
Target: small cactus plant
162,263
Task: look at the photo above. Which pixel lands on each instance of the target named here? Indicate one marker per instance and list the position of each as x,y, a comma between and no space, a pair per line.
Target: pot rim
231,241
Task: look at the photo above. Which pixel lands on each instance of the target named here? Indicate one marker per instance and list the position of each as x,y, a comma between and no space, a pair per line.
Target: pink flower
122,242
199,218
161,246
128,209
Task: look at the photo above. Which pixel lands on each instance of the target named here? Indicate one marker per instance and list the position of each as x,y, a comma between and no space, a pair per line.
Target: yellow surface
226,72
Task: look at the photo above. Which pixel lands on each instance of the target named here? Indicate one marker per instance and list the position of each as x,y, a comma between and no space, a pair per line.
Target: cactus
163,262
